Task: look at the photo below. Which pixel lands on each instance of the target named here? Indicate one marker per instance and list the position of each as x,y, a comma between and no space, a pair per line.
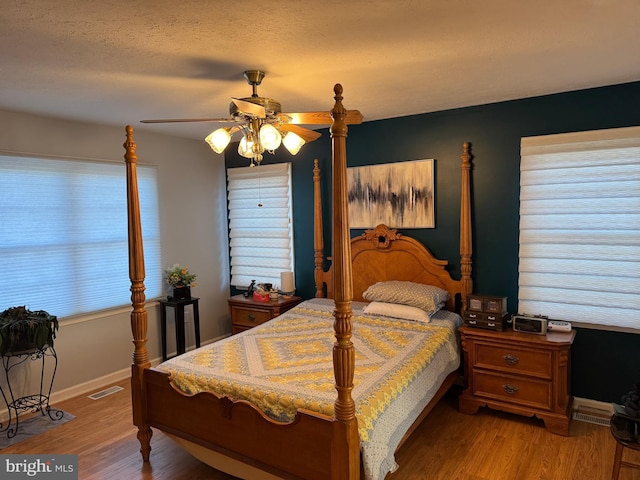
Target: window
580,227
63,239
260,226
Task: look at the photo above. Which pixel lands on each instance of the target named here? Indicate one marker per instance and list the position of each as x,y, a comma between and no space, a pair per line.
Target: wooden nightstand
246,312
519,373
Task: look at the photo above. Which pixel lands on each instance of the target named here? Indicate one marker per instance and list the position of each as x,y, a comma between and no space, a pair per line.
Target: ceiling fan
263,125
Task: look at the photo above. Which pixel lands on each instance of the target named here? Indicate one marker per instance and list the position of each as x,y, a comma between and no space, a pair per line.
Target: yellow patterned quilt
286,364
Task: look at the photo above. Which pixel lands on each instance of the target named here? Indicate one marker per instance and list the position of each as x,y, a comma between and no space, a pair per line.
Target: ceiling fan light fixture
245,147
218,139
293,142
270,137
263,124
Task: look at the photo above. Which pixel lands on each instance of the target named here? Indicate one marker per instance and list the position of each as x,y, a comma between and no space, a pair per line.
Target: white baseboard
85,388
92,386
579,402
101,382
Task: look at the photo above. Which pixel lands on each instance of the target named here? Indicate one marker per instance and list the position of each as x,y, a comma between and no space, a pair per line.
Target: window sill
99,315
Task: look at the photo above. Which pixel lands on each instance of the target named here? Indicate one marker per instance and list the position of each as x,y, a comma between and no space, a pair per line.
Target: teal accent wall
605,364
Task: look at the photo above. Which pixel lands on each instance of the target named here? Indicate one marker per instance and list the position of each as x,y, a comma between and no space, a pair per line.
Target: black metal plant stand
38,402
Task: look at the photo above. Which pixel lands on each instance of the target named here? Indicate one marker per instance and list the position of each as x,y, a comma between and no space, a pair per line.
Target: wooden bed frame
236,437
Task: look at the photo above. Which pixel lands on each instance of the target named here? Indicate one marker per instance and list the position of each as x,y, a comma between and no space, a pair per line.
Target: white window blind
580,227
260,225
63,239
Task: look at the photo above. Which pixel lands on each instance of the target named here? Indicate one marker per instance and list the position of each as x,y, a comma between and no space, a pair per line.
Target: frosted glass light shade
245,147
293,142
218,139
270,138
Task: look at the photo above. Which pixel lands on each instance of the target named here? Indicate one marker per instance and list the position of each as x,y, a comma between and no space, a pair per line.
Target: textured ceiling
118,62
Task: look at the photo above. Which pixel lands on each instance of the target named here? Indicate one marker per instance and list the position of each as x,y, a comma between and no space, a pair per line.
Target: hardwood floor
448,445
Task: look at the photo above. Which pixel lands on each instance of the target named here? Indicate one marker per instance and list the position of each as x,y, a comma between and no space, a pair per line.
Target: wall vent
592,415
104,393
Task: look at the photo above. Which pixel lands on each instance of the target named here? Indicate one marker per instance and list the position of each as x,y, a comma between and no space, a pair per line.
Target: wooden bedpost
318,237
465,224
139,319
346,456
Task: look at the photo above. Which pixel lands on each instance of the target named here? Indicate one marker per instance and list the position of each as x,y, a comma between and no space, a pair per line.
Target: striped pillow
427,297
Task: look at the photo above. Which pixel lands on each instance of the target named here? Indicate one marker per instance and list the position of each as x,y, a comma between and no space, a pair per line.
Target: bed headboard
383,254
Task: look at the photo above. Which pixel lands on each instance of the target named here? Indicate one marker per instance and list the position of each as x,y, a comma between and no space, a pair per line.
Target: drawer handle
510,389
251,317
511,359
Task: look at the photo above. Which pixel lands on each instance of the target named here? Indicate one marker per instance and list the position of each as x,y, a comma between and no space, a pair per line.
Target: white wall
193,219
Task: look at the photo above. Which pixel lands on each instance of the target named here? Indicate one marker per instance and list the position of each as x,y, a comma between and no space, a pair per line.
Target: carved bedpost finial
338,113
337,90
466,152
130,146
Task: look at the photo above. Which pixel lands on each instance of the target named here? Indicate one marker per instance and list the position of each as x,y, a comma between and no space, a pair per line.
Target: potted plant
181,280
23,330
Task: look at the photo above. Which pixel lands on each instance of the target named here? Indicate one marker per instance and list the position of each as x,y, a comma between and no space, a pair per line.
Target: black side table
626,431
178,308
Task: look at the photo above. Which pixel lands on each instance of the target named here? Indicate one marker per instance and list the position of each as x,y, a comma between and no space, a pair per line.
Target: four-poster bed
323,443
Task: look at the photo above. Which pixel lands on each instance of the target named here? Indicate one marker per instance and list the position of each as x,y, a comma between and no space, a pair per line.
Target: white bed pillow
396,310
427,297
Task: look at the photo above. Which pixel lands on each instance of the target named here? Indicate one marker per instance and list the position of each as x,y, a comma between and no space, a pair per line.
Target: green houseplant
181,280
23,330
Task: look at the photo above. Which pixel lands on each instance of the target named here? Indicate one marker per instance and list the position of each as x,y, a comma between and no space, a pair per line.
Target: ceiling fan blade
176,120
323,118
250,107
304,133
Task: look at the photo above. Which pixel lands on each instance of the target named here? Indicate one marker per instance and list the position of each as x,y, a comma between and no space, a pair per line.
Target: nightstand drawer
245,317
491,321
511,389
518,373
535,363
247,313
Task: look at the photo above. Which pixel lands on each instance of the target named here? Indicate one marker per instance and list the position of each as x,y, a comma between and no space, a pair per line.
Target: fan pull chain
259,194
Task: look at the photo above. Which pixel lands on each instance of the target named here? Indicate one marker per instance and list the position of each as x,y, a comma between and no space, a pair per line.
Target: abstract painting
400,195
